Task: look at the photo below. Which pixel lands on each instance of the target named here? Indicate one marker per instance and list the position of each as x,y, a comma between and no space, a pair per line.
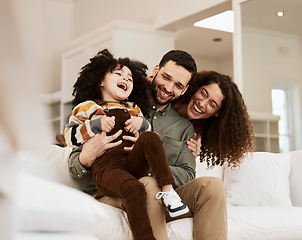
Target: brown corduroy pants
116,174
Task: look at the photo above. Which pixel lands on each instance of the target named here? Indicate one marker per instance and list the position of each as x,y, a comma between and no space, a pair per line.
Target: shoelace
172,197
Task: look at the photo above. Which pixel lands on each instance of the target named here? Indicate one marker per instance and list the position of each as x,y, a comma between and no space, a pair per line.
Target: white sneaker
172,201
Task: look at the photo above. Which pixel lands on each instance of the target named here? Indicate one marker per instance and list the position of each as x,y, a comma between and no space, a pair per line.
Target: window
280,103
283,98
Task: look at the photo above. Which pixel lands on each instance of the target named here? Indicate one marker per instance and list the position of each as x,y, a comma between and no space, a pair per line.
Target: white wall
93,14
268,57
57,25
49,24
224,66
64,20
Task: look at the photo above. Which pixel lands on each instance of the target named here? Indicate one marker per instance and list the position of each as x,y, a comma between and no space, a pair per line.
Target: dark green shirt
174,131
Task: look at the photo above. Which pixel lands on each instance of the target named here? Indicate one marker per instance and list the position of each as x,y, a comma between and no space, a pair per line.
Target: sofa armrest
295,178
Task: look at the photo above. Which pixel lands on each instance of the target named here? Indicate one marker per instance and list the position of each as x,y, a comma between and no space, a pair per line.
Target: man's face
169,82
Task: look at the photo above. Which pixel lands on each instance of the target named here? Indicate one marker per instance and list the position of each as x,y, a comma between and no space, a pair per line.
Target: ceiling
256,13
262,14
202,42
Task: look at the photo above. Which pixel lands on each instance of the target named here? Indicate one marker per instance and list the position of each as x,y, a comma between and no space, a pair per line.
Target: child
100,104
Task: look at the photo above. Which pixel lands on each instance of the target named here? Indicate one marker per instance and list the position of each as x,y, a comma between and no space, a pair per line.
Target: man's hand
107,123
96,146
192,145
132,139
133,124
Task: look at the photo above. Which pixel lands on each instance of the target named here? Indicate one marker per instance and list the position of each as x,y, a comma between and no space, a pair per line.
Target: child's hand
107,123
133,124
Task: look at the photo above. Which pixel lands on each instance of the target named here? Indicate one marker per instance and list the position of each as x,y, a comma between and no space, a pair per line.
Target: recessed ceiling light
217,39
223,22
280,14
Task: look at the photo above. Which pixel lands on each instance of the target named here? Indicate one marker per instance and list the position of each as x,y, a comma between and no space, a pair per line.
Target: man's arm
183,165
76,169
81,158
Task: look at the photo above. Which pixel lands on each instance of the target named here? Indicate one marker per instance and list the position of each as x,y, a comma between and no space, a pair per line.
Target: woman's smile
197,109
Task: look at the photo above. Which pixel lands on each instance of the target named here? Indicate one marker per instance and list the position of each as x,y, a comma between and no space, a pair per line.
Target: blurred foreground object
22,124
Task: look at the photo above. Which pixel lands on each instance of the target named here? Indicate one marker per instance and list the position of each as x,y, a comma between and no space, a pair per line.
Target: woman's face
206,102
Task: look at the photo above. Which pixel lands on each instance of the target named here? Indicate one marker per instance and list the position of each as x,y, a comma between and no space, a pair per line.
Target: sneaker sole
179,212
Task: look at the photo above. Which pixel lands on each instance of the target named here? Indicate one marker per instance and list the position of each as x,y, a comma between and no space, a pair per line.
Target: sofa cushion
44,205
264,222
50,163
180,229
262,179
203,171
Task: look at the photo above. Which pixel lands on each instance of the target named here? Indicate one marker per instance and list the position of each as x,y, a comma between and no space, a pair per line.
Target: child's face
117,85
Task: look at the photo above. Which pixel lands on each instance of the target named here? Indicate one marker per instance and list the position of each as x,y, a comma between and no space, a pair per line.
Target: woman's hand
192,145
96,146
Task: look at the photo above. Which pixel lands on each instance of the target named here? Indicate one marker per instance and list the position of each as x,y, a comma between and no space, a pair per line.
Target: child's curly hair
228,136
87,86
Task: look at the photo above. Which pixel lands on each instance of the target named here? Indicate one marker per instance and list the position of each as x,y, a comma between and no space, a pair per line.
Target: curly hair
225,138
93,73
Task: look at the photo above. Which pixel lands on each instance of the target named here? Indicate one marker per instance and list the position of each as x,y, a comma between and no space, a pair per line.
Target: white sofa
264,200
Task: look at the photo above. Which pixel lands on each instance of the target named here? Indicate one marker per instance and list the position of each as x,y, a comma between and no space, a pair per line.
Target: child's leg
166,188
119,183
149,150
156,210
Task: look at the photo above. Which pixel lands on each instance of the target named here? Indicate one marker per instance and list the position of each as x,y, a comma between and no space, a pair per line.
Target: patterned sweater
84,121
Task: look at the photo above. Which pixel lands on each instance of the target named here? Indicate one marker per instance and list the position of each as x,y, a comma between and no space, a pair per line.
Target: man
205,197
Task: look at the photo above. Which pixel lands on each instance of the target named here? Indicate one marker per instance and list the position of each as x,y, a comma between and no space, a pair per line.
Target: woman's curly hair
87,86
228,136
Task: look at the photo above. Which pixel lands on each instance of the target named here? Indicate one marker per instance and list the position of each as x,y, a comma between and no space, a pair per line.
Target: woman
217,111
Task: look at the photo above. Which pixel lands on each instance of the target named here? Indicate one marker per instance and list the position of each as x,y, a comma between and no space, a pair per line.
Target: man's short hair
180,58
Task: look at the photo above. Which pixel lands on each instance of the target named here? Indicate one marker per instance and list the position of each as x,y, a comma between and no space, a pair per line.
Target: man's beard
154,90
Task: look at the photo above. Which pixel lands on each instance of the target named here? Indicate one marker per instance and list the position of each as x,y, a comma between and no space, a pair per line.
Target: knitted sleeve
84,123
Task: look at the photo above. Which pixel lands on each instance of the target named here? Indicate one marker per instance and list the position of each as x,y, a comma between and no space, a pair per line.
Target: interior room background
268,59
35,34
